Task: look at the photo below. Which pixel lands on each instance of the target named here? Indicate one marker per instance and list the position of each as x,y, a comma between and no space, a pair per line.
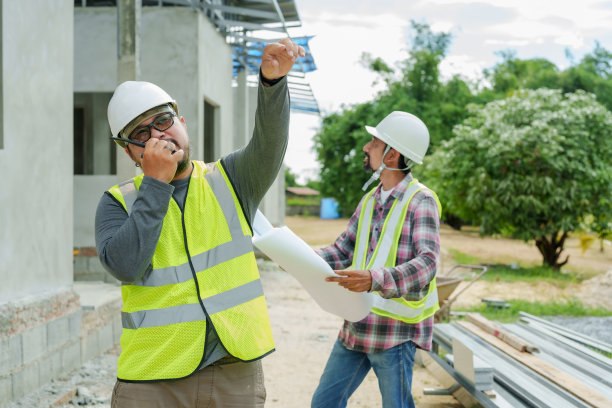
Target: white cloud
337,47
464,65
573,40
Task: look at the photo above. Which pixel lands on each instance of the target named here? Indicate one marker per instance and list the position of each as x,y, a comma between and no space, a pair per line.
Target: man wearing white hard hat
178,237
391,248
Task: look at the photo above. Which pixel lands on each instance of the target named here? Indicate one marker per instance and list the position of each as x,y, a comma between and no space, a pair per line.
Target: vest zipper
197,286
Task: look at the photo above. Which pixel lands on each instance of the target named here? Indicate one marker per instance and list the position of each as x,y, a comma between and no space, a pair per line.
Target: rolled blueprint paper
296,257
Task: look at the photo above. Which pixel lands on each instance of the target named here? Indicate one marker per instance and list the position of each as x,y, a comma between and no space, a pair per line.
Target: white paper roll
292,254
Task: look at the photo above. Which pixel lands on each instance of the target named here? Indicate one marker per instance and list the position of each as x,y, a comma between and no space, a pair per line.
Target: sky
344,29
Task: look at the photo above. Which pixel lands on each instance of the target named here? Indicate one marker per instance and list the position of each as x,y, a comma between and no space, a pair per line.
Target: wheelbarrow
446,285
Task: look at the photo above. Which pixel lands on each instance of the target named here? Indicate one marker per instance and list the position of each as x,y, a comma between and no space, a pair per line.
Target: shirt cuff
158,185
269,82
378,279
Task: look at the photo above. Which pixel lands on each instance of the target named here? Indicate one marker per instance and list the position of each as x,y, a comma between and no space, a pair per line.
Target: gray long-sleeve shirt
126,244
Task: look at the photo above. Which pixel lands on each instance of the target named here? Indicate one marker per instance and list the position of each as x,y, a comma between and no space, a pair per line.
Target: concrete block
58,333
34,343
89,268
25,380
90,345
71,356
6,389
105,337
11,354
50,367
117,329
75,321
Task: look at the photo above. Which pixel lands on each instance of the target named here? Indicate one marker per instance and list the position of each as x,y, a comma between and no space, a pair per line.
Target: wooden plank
546,370
499,332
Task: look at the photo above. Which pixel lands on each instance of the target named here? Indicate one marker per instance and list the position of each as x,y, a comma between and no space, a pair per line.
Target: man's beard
366,164
182,165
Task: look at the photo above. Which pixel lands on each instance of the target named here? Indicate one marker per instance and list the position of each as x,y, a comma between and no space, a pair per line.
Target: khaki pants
230,385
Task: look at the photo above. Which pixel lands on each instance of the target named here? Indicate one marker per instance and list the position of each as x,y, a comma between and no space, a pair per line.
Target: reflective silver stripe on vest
182,273
238,246
225,199
391,306
193,312
386,241
361,250
129,193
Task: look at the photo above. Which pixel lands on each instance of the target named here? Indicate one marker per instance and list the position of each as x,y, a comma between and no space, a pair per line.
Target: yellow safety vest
385,255
203,265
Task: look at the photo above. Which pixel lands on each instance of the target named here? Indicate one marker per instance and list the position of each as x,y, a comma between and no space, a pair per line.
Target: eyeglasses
161,123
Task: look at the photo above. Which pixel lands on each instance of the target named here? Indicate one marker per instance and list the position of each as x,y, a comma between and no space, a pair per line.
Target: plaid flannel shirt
417,259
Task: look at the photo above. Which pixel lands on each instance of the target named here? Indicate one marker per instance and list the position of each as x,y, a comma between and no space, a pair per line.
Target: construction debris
560,375
567,333
497,331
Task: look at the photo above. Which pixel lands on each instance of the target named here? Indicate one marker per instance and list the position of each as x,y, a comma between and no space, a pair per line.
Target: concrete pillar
129,14
241,126
100,132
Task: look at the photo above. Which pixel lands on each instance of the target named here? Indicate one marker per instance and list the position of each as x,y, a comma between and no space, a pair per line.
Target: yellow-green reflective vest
203,265
385,255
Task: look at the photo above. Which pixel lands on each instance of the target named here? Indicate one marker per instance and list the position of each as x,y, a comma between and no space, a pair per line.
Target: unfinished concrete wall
215,81
39,311
36,200
181,52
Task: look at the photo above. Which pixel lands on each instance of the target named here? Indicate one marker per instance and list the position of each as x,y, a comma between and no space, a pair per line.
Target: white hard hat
133,98
405,133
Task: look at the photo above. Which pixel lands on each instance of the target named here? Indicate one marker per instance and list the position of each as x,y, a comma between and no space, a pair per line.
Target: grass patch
507,273
296,201
572,307
531,274
463,258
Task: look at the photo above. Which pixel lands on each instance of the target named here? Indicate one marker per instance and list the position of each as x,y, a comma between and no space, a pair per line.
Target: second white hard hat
133,98
405,133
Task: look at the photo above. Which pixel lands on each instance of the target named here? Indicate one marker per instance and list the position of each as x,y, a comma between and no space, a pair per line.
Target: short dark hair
402,163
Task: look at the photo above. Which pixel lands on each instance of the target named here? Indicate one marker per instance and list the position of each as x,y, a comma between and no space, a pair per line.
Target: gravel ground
90,385
599,328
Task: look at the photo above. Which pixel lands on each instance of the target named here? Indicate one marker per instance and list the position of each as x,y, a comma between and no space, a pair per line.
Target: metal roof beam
301,86
242,11
300,92
249,26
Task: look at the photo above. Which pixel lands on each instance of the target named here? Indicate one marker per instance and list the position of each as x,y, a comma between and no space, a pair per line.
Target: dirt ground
304,335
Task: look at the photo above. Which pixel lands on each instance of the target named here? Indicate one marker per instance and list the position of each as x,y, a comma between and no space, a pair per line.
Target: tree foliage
592,74
533,166
416,88
290,178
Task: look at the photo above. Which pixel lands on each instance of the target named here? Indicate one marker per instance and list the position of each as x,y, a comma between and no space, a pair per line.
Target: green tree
532,166
290,178
416,89
592,74
513,73
338,145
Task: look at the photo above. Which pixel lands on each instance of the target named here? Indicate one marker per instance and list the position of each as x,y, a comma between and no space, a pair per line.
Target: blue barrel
329,209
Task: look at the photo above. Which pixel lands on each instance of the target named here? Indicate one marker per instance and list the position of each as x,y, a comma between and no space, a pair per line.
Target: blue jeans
346,369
